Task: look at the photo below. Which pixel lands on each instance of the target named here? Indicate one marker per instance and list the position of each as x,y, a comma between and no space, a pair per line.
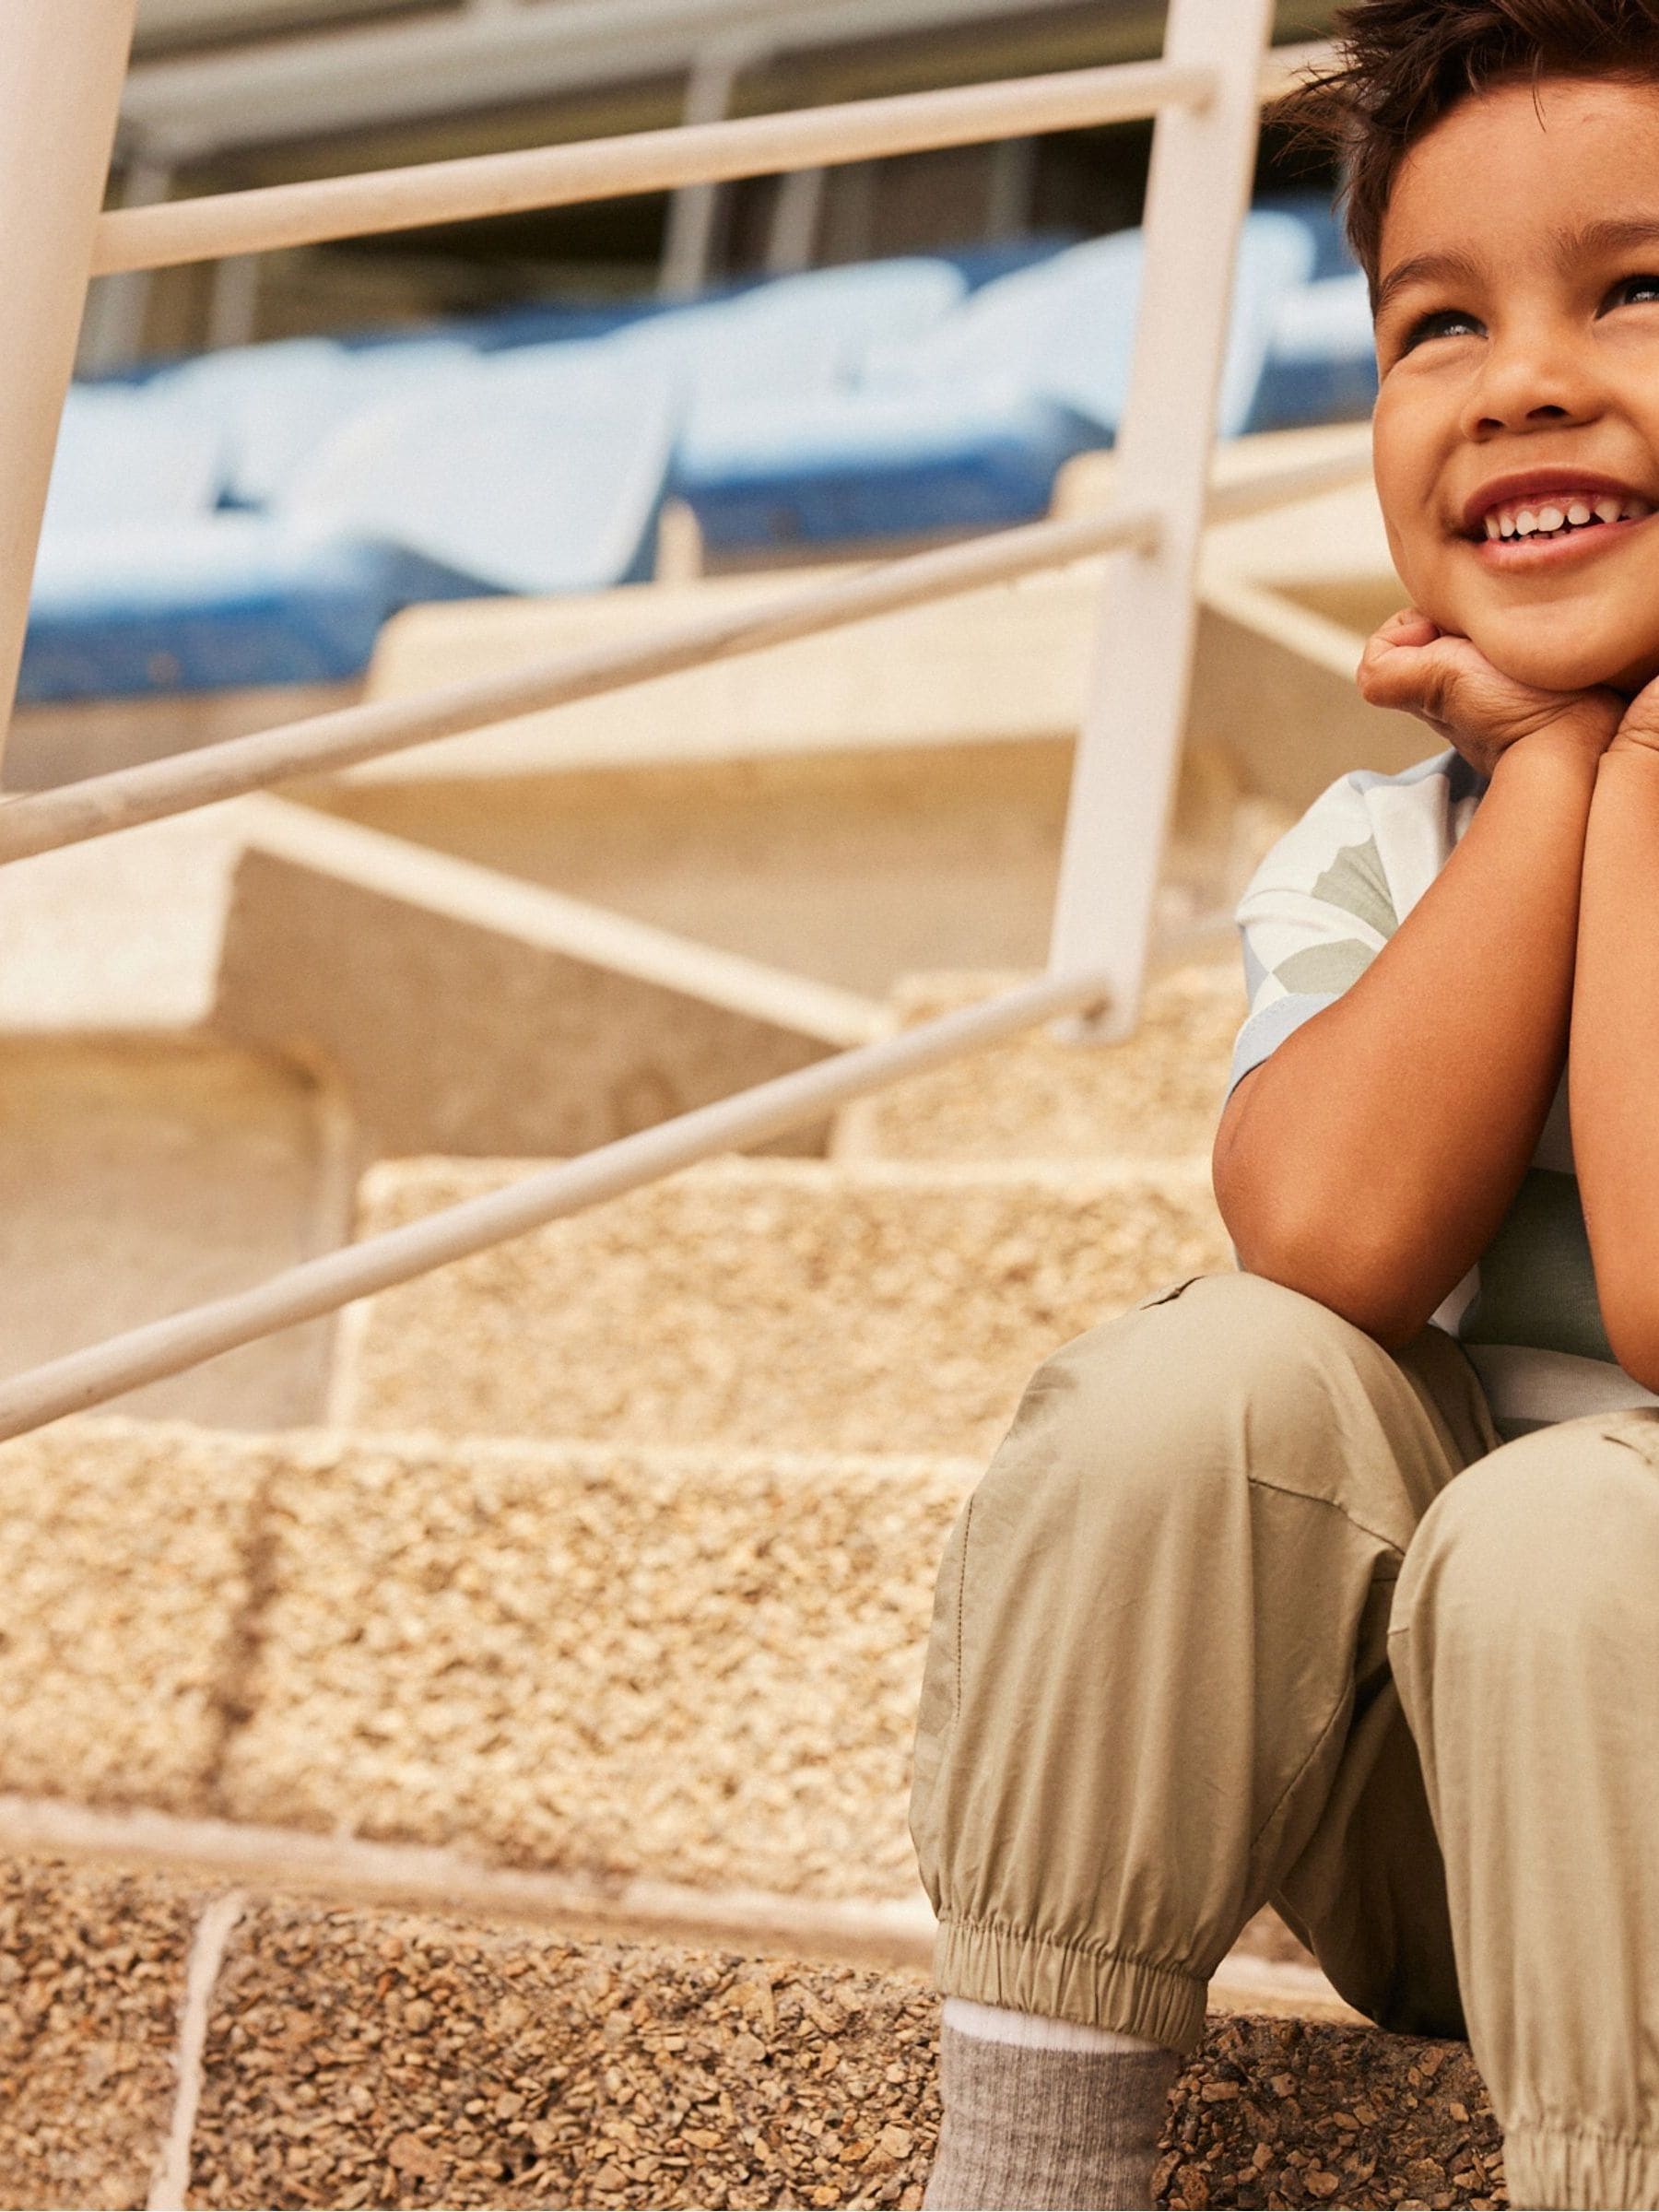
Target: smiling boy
1331,1583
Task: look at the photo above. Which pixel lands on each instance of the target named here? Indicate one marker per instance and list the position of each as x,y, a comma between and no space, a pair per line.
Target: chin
1572,663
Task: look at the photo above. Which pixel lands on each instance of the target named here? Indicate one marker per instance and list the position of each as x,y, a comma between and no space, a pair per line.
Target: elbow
1354,1269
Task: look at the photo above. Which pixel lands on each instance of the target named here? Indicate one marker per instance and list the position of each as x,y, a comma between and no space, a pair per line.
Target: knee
1220,1346
1183,1391
1532,1545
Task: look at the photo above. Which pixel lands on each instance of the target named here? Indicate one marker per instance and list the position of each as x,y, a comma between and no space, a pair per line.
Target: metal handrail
477,185
88,1378
124,798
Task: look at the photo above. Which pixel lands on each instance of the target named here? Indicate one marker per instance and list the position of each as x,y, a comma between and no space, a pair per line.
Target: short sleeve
1313,917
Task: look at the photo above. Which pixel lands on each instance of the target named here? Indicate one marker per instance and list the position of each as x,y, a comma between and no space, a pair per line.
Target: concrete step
416,1667
172,2042
693,1668
791,1305
1155,1096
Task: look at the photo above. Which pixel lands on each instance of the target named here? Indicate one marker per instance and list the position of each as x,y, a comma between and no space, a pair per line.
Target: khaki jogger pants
1249,1610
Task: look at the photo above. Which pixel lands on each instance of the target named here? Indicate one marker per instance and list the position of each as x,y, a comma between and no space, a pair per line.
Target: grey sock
1047,2131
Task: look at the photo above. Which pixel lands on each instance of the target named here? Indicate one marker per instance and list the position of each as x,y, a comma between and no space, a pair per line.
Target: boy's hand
1638,731
1449,684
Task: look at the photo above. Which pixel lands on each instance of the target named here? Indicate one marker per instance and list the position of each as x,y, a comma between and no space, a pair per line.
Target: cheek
1415,539
1610,638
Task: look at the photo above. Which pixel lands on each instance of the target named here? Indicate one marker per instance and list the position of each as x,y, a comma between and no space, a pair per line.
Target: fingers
1417,676
1639,721
1407,632
1409,627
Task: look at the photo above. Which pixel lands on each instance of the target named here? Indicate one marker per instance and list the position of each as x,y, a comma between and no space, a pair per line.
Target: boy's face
1518,342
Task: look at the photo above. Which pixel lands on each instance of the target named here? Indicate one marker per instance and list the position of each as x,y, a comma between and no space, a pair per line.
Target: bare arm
1369,1161
1615,1083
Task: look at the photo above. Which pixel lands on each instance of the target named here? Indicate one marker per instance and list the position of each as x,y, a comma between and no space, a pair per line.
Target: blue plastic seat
969,422
539,470
791,337
499,478
276,403
127,454
219,602
1322,363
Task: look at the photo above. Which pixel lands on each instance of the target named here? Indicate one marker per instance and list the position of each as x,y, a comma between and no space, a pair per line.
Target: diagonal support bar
99,805
88,1378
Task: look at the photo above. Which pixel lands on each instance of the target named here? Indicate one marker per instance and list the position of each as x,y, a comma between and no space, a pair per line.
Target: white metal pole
689,241
112,326
1129,753
61,63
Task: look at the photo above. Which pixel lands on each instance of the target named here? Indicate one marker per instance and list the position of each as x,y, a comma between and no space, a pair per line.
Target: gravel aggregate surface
389,2060
1156,1095
700,1668
126,1548
1283,2112
359,2059
785,1305
92,1967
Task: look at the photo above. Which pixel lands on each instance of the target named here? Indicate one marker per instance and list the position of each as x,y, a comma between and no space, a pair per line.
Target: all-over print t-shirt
1316,913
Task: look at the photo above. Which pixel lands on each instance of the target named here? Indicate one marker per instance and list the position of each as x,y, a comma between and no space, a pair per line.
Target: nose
1533,379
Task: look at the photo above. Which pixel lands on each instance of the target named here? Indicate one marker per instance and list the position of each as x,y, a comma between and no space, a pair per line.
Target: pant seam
1335,1505
1076,1949
1313,1752
963,1599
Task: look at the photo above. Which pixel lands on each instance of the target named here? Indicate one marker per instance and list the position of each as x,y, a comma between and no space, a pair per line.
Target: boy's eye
1444,323
1631,291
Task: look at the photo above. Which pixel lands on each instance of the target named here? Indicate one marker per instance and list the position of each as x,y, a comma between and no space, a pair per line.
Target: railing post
61,64
1129,753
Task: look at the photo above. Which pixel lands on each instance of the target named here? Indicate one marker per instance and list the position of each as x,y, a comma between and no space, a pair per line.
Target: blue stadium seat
486,481
794,337
217,603
540,470
127,454
969,422
277,402
1322,363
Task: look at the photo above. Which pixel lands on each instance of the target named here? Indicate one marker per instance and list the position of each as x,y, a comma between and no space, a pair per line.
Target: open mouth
1543,521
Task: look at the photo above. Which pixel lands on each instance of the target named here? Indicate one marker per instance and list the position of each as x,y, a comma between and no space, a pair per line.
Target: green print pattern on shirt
1330,968
1538,1284
1354,881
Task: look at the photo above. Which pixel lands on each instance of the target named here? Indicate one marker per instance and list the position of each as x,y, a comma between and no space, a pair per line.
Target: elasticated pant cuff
1071,1982
1579,2166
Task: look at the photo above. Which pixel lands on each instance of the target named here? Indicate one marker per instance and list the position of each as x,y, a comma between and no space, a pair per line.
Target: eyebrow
1425,268
1612,235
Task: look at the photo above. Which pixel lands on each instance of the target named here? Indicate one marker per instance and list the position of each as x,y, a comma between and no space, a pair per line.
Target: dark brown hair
1404,64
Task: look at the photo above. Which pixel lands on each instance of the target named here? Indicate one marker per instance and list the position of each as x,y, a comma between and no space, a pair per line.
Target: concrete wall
138,1177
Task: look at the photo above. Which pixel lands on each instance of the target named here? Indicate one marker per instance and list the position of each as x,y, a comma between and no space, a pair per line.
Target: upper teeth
1574,510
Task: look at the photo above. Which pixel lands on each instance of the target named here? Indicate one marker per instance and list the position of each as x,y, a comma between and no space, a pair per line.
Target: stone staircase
497,1796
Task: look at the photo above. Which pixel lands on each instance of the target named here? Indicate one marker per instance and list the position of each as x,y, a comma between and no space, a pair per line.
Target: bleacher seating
533,453
522,472
1322,365
277,402
969,422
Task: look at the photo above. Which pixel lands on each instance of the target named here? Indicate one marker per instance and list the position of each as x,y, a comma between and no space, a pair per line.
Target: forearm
1615,1030
1369,1161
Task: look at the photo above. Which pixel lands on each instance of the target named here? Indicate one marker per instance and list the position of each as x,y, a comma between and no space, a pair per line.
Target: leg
1525,1641
1153,1615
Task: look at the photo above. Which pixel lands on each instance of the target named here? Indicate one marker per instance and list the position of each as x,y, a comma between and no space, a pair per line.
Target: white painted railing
62,60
